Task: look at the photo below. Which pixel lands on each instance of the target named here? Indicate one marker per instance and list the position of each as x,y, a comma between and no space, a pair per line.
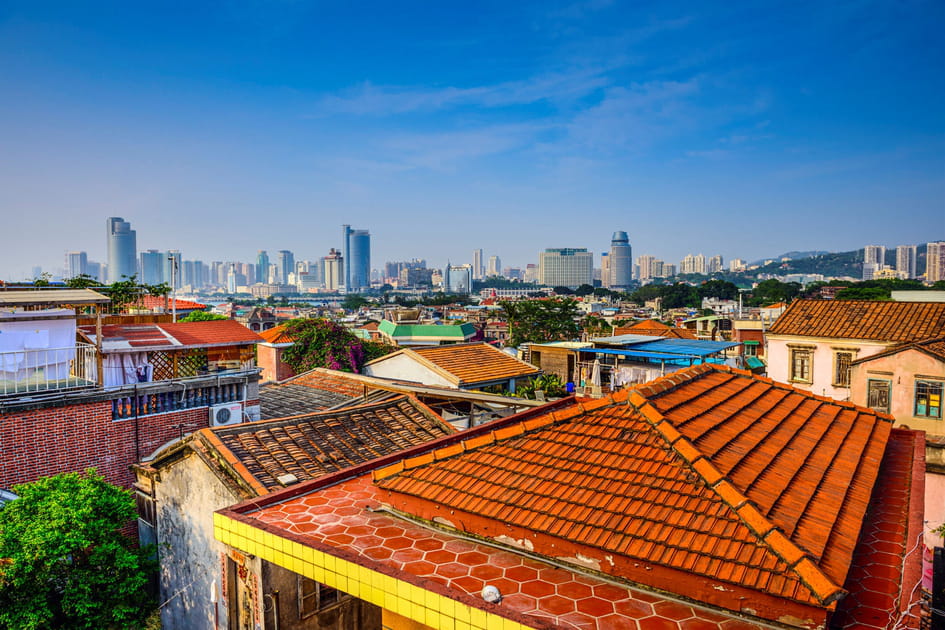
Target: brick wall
273,367
51,440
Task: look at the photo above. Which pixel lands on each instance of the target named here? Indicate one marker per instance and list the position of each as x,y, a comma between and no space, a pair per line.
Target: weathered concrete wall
191,559
553,361
350,613
822,364
406,368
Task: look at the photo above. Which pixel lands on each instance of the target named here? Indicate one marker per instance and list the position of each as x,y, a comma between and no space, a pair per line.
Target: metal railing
47,369
173,396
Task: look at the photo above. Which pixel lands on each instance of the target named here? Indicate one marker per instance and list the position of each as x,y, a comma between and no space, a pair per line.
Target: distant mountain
826,263
791,255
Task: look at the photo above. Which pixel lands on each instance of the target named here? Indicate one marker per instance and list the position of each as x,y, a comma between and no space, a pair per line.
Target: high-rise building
874,259
333,268
357,259
621,262
457,279
905,261
97,270
645,268
935,262
693,264
495,266
77,264
152,267
262,266
605,277
736,264
565,267
715,264
286,264
122,249
478,269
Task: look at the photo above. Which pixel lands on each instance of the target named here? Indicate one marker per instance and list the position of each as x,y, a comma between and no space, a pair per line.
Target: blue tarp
668,348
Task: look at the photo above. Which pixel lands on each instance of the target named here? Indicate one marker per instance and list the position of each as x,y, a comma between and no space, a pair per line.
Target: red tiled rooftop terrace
724,488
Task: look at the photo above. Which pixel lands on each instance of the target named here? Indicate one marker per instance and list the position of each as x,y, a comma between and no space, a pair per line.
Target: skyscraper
620,262
357,259
935,262
152,267
905,260
874,257
565,267
77,263
332,266
477,264
495,266
286,263
122,248
262,266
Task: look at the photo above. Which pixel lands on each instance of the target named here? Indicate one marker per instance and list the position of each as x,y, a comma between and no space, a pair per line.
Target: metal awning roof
623,340
52,297
662,356
669,348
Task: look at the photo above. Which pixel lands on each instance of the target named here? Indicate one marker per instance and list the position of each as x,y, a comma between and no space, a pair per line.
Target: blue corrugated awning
662,356
754,363
672,347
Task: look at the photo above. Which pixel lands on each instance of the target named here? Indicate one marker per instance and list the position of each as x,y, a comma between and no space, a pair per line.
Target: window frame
915,398
837,382
324,597
869,389
793,355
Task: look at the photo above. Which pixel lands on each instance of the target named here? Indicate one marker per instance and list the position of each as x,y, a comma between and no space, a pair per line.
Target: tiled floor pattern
339,516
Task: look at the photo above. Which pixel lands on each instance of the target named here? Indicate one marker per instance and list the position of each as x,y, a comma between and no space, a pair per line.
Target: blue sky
741,129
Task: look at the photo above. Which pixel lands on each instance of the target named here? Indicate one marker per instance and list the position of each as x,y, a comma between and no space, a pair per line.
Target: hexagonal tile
472,558
537,588
378,553
428,544
420,567
486,572
556,605
616,622
672,610
573,590
698,624
595,606
520,602
579,620
610,592
633,608
657,623
440,556
554,575
469,584
452,570
521,574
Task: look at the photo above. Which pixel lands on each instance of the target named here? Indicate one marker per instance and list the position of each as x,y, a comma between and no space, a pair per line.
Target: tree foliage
69,564
772,291
201,316
353,302
538,321
326,344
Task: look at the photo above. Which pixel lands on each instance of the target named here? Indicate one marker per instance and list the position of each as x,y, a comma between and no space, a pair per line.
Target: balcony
47,369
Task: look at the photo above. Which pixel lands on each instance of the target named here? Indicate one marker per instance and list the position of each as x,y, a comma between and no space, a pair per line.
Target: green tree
67,563
124,293
538,321
44,280
201,316
82,281
353,302
772,291
864,293
720,289
563,291
324,343
584,289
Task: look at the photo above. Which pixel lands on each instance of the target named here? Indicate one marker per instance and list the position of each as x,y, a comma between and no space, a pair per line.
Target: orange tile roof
932,347
312,445
655,329
154,302
214,332
709,471
277,335
862,319
473,363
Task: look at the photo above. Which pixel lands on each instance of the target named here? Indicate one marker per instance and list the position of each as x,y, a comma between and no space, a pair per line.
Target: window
750,349
928,399
877,394
314,596
841,368
801,360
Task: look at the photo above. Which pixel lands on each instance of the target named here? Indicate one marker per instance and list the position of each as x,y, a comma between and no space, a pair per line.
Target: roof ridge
797,560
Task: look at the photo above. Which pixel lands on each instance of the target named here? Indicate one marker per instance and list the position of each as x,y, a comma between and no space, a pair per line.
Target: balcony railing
173,396
47,369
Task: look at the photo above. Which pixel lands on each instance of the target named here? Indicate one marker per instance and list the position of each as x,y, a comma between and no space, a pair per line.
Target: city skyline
804,125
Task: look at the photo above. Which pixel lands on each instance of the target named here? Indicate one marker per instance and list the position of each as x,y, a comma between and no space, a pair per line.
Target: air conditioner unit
226,414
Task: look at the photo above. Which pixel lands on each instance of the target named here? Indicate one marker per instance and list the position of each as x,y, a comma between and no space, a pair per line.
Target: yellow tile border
399,596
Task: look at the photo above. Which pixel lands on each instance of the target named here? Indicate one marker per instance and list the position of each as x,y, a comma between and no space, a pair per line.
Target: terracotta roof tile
654,328
312,391
715,470
153,302
474,363
310,446
933,347
856,319
215,332
277,335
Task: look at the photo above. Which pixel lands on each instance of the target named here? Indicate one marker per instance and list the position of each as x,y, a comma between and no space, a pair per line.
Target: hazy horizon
734,129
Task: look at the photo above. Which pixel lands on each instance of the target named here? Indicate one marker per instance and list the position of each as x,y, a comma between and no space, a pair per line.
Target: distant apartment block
77,263
477,266
935,262
906,260
565,267
495,266
693,264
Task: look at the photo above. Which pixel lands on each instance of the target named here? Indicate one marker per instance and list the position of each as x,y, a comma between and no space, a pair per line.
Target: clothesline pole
99,366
